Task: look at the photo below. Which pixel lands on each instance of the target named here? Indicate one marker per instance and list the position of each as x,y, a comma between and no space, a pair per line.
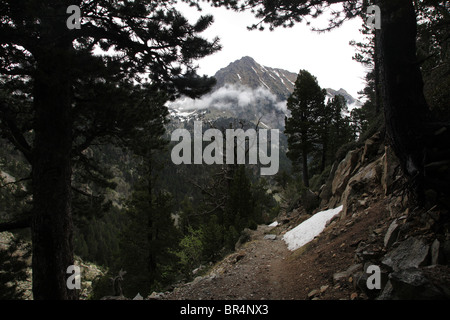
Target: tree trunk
305,161
51,225
323,162
151,263
402,88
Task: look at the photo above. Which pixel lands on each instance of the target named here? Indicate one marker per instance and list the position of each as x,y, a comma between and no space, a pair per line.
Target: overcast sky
328,56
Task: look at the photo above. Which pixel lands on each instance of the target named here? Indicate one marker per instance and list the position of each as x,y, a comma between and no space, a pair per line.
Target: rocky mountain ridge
246,71
247,90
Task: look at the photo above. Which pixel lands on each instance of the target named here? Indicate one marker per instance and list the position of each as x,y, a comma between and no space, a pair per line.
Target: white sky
328,56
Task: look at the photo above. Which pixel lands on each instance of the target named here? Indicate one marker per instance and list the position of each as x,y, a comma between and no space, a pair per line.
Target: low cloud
229,96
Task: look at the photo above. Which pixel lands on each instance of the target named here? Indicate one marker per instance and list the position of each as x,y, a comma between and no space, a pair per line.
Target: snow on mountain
247,72
247,90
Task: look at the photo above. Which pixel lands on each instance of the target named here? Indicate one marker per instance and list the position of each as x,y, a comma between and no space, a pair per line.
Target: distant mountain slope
351,102
246,71
246,90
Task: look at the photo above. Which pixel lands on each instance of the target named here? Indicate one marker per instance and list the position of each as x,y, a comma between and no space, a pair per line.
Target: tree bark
151,263
305,160
51,225
402,88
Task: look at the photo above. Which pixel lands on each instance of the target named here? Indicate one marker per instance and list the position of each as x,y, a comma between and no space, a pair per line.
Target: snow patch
309,229
264,83
272,76
280,77
265,125
290,81
273,224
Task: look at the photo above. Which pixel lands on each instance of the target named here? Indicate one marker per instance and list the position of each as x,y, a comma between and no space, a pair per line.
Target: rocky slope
377,228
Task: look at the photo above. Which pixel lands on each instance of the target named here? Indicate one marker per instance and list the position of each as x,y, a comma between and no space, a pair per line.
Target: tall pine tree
68,98
304,105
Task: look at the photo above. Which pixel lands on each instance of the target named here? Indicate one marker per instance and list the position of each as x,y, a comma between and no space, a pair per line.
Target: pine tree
70,98
239,208
339,129
148,242
213,236
304,105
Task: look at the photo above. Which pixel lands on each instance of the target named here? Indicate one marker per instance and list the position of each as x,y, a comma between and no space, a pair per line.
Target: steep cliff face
409,246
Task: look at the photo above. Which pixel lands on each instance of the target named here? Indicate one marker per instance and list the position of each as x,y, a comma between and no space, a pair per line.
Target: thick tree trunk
151,263
305,161
51,225
404,103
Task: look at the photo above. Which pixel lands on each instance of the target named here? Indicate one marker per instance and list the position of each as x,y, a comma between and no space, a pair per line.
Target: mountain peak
246,71
246,59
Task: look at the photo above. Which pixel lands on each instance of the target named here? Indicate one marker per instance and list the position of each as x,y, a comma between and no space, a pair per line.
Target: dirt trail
253,272
266,269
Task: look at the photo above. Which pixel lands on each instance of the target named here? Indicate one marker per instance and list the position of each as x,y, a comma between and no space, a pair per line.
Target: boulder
371,147
324,288
314,293
387,293
138,297
362,278
325,191
366,179
270,237
344,275
435,250
412,284
344,171
159,295
411,253
245,236
391,234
